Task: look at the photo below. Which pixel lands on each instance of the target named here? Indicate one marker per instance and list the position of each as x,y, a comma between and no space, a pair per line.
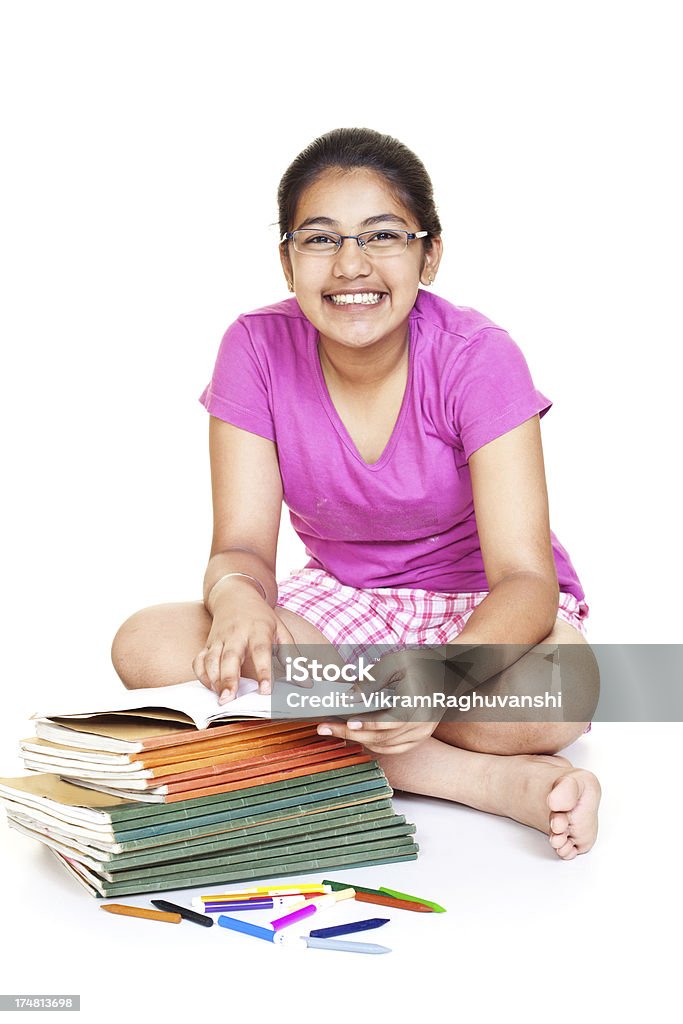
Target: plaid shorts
353,619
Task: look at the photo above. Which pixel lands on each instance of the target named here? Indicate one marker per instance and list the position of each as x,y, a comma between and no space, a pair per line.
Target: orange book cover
297,754
223,763
280,776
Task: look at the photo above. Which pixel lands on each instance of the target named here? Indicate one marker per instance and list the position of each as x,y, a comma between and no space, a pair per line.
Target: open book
155,716
189,702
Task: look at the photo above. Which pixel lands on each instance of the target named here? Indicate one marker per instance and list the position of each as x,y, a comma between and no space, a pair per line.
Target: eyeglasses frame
288,236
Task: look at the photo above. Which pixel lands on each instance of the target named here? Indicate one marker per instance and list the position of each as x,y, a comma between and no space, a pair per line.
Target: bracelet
227,575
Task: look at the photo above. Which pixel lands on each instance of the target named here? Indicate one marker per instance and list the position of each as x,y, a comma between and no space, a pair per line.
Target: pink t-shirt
407,520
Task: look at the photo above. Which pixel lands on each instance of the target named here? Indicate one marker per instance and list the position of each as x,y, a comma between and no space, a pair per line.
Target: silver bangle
227,576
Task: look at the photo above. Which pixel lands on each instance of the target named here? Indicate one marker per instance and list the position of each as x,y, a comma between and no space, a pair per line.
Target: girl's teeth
362,298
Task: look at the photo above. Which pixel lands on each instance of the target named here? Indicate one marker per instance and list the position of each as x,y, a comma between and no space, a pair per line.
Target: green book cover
263,871
246,797
359,836
168,855
361,802
333,820
184,826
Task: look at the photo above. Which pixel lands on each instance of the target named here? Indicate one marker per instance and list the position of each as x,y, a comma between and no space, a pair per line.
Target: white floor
526,936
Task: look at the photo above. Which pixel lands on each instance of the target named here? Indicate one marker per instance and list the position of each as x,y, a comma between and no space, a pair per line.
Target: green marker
412,899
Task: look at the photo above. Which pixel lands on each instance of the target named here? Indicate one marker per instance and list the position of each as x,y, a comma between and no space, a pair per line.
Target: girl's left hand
404,674
382,737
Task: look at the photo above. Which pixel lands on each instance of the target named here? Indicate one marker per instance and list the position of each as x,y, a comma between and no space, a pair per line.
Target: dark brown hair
352,148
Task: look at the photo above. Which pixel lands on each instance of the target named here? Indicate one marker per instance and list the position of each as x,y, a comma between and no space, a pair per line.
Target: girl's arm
247,501
247,496
511,508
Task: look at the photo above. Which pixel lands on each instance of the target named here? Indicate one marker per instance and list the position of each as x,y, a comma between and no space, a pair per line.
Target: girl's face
350,202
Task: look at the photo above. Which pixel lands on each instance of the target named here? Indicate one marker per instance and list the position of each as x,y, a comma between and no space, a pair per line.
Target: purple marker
318,903
296,915
217,908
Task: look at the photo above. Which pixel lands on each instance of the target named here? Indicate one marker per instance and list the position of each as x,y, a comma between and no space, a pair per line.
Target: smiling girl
403,434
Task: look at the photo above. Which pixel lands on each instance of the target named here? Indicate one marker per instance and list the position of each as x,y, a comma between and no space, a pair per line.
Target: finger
344,730
199,668
401,748
381,724
230,666
261,656
283,636
212,662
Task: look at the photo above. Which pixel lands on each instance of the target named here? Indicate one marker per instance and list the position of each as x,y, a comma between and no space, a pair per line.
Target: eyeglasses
386,242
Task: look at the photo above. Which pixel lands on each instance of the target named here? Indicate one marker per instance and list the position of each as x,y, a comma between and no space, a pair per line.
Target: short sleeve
491,390
238,391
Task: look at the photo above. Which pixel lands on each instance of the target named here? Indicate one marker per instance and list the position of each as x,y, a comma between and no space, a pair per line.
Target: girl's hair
351,148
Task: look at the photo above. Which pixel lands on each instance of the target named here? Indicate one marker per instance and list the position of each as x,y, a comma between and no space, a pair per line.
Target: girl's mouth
354,299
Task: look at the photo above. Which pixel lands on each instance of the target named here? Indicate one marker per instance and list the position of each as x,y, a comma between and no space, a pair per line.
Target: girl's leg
491,766
156,646
507,768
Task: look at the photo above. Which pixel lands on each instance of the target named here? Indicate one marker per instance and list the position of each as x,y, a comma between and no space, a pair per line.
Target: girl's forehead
340,193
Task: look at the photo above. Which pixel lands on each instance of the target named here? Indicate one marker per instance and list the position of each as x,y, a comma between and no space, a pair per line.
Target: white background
143,143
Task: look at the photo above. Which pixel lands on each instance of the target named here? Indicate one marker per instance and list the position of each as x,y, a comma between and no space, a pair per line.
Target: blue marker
236,925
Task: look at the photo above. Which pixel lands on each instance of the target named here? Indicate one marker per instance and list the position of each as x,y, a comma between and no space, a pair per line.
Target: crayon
187,915
150,915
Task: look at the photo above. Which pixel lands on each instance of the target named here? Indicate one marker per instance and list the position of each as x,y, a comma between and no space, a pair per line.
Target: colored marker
218,908
298,915
187,915
328,899
349,929
413,899
258,902
235,925
304,910
298,891
150,915
276,890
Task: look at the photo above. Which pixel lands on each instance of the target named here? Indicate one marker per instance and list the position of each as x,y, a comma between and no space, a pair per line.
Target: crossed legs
509,768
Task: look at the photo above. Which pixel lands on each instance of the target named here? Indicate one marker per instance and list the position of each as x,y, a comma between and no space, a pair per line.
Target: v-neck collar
335,418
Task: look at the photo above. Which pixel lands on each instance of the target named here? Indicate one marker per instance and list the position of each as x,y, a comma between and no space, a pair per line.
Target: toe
565,794
568,851
558,841
559,823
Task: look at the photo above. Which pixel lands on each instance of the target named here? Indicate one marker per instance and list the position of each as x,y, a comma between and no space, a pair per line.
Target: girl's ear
287,266
431,261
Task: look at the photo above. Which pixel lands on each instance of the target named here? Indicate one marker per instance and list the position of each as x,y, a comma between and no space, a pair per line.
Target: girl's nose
351,259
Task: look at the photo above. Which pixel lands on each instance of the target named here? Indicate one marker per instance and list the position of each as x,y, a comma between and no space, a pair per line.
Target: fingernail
354,725
224,697
324,730
265,686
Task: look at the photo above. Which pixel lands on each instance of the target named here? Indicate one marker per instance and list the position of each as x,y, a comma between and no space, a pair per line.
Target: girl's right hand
243,631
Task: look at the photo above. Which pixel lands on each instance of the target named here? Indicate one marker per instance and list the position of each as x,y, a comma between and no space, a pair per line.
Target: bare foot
548,793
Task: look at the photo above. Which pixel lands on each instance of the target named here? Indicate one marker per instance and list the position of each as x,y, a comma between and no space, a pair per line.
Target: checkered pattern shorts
353,619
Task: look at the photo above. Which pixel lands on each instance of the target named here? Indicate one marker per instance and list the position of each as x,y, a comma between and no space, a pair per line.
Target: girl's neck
363,369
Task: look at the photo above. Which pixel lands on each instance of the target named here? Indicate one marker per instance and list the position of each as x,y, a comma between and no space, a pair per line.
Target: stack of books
167,791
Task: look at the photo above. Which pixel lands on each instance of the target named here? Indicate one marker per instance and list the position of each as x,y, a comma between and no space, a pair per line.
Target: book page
191,699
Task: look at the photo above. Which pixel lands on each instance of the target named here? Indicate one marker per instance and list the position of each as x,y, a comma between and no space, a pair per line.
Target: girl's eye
317,240
383,236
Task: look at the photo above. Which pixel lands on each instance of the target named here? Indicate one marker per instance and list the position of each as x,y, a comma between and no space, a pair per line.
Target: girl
403,434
